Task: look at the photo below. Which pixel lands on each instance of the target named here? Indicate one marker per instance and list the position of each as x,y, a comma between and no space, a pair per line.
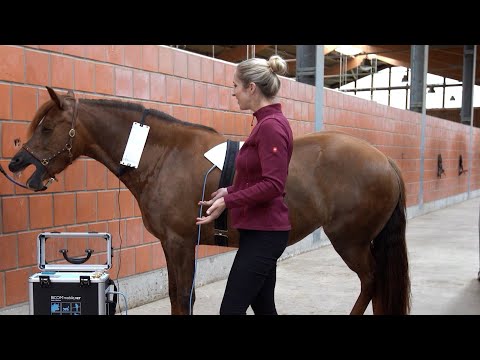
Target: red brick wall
397,133
192,88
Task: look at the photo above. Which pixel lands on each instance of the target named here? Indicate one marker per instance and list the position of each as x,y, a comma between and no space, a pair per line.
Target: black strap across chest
226,179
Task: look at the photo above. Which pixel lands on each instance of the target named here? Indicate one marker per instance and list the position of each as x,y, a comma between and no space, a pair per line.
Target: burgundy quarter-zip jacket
256,198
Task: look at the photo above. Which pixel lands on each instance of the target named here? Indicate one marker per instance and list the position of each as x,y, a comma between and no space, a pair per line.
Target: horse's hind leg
360,260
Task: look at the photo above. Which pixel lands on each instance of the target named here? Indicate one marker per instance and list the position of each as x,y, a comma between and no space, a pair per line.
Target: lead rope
198,240
12,179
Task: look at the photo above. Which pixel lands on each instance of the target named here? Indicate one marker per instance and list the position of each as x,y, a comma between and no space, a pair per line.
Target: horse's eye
47,126
46,129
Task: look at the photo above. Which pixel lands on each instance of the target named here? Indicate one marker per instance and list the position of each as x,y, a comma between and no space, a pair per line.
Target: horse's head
52,141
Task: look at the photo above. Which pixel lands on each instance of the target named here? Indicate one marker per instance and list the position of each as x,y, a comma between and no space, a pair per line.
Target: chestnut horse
335,181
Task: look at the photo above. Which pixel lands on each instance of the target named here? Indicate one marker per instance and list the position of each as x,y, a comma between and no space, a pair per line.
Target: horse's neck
109,135
105,139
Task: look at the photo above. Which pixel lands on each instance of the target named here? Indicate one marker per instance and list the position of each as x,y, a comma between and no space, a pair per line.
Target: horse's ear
54,97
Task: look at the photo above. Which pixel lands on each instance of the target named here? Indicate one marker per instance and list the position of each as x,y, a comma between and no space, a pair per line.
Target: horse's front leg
180,256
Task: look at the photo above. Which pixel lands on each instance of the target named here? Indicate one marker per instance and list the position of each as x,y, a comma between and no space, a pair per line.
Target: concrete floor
444,263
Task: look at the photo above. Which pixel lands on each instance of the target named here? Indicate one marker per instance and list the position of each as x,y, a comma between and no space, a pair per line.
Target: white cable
198,240
124,299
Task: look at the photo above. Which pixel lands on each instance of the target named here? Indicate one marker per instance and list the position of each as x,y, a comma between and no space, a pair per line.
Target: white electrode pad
135,144
217,154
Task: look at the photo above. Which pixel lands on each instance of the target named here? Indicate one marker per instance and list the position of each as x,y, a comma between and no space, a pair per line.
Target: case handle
76,260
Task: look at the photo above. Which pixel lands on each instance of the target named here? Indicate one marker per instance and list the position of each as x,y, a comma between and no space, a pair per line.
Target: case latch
84,281
44,281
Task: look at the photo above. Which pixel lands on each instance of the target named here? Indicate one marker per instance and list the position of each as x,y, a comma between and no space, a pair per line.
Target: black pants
254,272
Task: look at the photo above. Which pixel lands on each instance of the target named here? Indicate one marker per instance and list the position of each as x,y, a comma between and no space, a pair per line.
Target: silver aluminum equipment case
74,288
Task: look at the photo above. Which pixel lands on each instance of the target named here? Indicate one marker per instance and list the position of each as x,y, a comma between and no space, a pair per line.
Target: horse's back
337,180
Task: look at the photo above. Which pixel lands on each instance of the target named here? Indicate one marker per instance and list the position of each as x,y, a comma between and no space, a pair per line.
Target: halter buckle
219,232
47,184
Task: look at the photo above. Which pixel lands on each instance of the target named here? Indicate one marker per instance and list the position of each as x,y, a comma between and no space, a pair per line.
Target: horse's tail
392,280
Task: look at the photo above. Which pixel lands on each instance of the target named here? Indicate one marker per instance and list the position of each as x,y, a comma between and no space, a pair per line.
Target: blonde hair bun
277,65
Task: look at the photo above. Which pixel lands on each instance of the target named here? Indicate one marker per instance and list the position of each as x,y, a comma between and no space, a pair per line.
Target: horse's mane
39,116
140,108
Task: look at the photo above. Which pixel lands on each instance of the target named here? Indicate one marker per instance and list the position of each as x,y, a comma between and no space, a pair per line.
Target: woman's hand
214,211
215,195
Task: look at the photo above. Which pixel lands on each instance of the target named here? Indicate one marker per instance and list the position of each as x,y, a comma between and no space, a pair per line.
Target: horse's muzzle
22,160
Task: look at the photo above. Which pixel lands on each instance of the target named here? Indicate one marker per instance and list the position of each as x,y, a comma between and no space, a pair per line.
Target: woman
256,199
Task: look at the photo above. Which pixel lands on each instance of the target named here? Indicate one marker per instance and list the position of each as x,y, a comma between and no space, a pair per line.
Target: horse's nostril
14,163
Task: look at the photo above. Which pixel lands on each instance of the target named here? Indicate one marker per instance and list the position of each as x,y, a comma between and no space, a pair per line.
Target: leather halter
68,146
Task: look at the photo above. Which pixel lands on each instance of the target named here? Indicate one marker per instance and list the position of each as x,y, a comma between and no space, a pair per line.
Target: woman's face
243,95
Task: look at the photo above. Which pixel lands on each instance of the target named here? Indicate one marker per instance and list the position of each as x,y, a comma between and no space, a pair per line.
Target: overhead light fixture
452,98
348,50
366,64
431,90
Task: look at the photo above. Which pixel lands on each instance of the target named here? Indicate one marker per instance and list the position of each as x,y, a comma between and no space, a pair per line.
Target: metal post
470,58
306,64
406,92
419,77
389,84
319,84
371,83
419,64
468,81
467,112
